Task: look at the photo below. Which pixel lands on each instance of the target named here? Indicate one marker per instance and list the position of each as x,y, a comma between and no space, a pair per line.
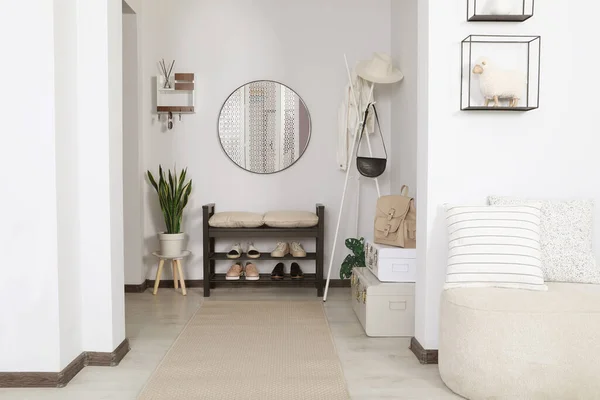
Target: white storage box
391,264
383,309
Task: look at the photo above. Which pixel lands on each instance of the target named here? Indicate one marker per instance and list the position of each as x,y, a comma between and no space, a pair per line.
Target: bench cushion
291,219
236,219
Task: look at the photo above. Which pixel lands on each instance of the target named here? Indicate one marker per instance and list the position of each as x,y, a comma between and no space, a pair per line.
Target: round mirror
264,127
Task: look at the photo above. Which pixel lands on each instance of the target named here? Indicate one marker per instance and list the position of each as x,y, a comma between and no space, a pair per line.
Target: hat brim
361,70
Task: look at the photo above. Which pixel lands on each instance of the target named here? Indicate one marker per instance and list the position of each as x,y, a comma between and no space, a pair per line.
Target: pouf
518,344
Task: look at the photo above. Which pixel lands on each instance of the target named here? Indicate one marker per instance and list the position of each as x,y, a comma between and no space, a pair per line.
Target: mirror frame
309,127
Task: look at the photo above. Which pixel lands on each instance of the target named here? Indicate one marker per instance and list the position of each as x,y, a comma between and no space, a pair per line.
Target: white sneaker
281,250
235,252
252,251
297,250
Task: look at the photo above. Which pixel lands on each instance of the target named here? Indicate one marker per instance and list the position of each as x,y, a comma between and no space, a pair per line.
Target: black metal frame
309,127
510,39
527,13
212,279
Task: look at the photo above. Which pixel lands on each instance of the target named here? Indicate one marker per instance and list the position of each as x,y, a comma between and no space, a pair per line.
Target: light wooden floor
373,368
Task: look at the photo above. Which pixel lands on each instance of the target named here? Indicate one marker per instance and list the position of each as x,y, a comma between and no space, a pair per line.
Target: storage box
383,309
391,264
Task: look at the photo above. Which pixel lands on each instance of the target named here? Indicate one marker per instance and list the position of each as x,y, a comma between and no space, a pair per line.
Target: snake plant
356,259
173,194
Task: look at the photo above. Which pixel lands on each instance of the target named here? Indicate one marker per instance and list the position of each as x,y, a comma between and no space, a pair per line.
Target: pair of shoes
249,271
283,249
236,251
279,272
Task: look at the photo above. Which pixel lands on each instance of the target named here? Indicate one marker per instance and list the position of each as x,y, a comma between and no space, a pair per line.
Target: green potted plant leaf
173,195
356,259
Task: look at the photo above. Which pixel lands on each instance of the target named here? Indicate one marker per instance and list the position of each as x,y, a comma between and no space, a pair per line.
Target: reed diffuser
166,71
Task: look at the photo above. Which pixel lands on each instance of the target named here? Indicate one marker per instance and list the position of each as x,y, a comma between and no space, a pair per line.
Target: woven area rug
251,350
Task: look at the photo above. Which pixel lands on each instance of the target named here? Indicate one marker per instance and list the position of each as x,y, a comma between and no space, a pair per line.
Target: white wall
228,43
132,148
404,99
551,152
29,285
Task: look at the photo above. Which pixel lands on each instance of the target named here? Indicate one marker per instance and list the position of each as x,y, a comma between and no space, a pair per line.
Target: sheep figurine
496,83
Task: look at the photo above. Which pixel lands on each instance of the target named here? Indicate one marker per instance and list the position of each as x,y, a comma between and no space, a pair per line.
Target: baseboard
169,283
424,356
141,288
343,283
100,359
60,379
71,370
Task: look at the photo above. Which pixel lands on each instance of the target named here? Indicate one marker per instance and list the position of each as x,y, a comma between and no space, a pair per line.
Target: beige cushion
519,344
291,219
236,219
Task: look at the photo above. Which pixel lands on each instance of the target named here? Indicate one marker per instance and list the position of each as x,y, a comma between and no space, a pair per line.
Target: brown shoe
234,273
251,272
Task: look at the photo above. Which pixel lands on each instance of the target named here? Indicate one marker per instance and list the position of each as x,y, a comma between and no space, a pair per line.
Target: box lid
393,252
376,288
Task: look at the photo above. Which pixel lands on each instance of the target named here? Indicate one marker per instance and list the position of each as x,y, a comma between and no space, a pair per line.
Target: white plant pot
171,244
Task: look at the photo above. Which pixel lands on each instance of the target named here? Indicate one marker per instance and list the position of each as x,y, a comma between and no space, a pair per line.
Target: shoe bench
210,234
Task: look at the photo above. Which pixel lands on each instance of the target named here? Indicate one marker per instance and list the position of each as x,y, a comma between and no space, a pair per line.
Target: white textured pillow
236,219
566,238
494,247
291,219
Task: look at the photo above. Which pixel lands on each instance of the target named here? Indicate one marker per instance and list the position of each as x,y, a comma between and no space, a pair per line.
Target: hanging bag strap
362,131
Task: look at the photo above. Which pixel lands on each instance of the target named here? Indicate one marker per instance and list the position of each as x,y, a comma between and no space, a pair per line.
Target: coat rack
351,155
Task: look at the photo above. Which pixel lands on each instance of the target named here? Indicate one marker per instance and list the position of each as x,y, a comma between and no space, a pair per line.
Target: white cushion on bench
291,219
236,219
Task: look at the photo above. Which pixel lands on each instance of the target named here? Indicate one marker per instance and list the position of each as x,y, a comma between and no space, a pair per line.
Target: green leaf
354,260
152,181
171,184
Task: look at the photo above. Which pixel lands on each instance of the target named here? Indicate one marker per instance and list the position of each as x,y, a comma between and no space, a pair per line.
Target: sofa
498,343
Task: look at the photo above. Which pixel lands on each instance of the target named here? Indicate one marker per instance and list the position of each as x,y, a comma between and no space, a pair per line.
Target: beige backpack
396,220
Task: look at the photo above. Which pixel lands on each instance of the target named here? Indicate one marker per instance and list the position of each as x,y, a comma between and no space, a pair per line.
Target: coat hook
179,117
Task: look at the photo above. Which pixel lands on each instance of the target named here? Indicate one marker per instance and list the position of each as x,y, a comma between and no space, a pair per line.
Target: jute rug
251,350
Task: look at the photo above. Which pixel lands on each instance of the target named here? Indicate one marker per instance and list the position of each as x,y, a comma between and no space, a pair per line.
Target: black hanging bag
371,167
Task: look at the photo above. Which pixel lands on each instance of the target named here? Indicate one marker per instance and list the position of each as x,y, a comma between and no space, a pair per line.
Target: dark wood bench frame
210,234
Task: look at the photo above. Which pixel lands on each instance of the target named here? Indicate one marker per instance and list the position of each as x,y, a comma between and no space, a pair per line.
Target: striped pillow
494,247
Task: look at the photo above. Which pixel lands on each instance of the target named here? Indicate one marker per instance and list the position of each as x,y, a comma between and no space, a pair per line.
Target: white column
100,180
67,180
426,317
29,324
60,164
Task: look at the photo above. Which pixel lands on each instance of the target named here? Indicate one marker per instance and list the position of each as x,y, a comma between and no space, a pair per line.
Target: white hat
379,69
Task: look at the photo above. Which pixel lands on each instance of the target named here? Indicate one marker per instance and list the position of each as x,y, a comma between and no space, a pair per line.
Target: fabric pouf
517,344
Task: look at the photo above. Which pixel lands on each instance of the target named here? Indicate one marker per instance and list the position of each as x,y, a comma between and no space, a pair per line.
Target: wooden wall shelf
175,109
179,97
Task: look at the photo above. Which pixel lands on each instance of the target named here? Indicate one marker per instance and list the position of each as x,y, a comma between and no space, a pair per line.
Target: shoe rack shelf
309,280
263,232
263,256
210,234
